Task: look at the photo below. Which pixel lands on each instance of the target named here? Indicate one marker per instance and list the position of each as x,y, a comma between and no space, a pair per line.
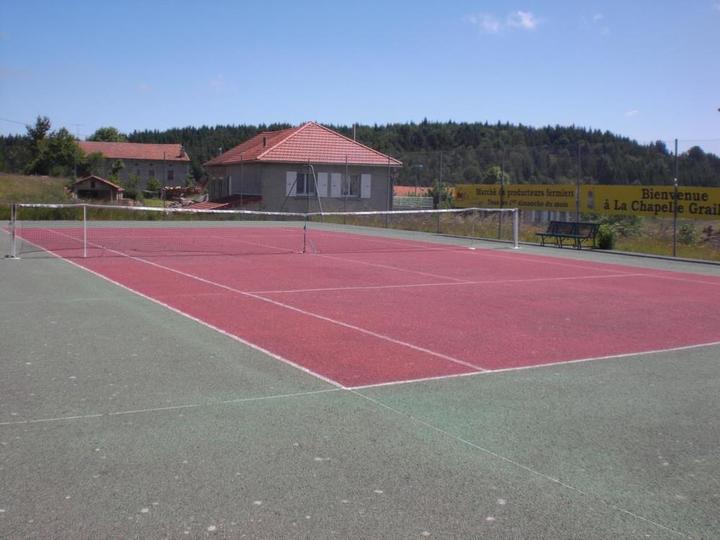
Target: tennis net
93,230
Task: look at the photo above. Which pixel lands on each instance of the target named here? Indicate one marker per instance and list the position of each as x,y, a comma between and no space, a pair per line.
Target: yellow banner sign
651,201
658,201
557,197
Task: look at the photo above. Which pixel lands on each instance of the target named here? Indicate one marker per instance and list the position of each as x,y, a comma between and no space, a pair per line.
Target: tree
471,174
91,164
441,194
117,166
131,186
41,128
57,154
494,175
108,134
190,178
153,185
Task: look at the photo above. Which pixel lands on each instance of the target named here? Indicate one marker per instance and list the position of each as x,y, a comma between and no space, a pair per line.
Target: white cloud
598,17
490,24
631,113
522,19
716,6
486,23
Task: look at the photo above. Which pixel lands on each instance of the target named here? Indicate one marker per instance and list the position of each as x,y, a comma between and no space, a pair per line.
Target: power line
15,122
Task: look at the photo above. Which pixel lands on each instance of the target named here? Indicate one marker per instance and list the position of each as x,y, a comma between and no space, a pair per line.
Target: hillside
37,189
474,152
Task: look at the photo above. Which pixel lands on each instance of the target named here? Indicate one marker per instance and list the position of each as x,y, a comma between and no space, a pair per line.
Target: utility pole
675,199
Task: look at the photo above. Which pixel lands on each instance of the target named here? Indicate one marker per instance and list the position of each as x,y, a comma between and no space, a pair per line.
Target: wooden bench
576,231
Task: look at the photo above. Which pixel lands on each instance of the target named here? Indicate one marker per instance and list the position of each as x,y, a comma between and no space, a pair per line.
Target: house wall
146,169
271,181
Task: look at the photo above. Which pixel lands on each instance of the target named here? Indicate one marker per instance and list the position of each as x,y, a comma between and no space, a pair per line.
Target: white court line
490,372
171,407
440,284
687,280
276,303
60,301
390,267
515,463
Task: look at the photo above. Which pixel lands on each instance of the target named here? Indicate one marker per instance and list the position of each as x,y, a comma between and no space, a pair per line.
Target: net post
516,228
305,225
13,231
84,231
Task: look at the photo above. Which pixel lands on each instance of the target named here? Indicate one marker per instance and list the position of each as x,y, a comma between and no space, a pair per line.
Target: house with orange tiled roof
169,164
308,167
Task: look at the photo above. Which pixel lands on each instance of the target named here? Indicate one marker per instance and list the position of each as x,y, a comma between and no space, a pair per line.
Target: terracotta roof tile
123,150
309,142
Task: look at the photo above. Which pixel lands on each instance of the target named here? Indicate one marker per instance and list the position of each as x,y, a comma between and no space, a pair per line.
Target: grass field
41,189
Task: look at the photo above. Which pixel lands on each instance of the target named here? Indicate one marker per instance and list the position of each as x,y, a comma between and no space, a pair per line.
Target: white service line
446,284
389,267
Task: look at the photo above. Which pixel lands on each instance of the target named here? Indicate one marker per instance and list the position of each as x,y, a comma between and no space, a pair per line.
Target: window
151,171
304,184
351,186
170,174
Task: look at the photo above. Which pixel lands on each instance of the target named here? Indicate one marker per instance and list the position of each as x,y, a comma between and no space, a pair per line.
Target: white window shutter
336,185
322,184
365,186
290,183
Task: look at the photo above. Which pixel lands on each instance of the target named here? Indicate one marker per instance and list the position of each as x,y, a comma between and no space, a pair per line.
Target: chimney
264,142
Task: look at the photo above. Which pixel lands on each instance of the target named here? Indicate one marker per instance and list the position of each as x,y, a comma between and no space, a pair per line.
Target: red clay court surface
368,310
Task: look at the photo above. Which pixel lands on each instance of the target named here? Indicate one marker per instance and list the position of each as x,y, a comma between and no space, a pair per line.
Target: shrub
606,237
687,235
153,185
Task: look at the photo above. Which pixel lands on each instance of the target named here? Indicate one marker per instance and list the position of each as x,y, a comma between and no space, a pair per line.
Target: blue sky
645,69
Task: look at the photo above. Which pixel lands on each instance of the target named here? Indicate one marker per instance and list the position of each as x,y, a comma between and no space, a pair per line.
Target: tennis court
206,379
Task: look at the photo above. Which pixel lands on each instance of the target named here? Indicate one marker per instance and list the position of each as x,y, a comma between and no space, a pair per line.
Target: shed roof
309,142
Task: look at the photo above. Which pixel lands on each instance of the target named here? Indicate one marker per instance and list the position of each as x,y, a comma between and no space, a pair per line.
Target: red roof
125,150
98,179
309,142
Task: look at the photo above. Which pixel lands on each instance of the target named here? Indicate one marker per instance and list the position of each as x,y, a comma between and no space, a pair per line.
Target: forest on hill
454,152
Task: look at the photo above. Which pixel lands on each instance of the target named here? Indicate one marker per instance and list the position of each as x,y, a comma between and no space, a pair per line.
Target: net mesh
105,231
